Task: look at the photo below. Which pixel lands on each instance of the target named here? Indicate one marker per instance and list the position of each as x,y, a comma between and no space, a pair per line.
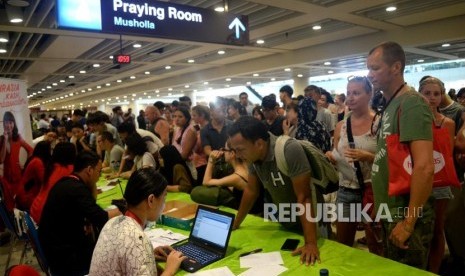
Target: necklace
393,96
379,115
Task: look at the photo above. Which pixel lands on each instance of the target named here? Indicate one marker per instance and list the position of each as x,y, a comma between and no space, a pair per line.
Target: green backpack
324,175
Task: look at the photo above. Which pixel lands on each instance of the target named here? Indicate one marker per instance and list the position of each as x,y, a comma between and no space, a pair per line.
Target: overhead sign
154,19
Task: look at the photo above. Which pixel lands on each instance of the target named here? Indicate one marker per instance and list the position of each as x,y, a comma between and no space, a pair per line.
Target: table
256,233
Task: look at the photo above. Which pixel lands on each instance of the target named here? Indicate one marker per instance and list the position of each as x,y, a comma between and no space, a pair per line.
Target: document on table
271,270
221,271
161,237
262,259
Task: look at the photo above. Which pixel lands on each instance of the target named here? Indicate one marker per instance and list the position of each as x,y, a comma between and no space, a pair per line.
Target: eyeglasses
226,150
366,82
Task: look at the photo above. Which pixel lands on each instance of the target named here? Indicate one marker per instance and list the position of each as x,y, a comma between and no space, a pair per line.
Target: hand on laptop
162,252
173,262
309,254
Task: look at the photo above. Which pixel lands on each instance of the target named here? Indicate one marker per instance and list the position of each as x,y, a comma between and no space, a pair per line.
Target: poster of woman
15,134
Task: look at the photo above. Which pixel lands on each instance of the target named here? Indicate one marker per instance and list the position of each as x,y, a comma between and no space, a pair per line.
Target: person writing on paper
252,143
407,238
122,247
433,89
359,92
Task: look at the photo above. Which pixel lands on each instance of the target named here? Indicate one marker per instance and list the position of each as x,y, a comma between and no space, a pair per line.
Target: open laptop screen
212,227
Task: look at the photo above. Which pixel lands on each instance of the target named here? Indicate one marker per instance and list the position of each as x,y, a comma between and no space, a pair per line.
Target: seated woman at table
175,170
137,148
223,190
122,247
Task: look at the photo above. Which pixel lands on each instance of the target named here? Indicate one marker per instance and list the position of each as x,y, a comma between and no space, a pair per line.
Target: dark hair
160,105
329,98
392,52
85,159
185,99
461,92
64,154
186,114
424,78
42,151
313,88
97,117
126,127
300,97
9,117
237,105
107,136
42,116
143,183
242,94
78,112
136,144
250,128
293,106
258,109
342,96
175,103
116,109
287,89
75,125
172,157
269,102
203,111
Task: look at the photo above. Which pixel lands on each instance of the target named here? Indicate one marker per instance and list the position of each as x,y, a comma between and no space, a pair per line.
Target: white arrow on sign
236,23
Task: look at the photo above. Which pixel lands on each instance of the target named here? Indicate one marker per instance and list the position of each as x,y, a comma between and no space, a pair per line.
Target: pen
251,252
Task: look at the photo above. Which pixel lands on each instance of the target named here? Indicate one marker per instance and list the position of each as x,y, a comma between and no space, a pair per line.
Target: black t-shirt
277,126
70,207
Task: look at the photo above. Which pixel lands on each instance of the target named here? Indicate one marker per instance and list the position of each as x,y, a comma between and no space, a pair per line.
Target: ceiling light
98,86
249,83
132,99
147,73
316,27
287,69
111,57
219,9
391,9
145,93
221,52
228,79
149,97
227,85
190,60
137,45
43,89
54,84
330,71
169,94
66,96
186,86
260,41
39,92
133,95
445,45
49,87
71,94
300,75
206,83
132,77
83,91
421,60
119,81
62,97
15,14
96,65
117,98
4,37
256,75
167,67
273,79
125,97
89,89
107,84
170,89
2,51
157,91
62,81
71,77
327,63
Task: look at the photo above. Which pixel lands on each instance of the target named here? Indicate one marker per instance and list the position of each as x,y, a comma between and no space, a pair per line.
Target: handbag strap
358,168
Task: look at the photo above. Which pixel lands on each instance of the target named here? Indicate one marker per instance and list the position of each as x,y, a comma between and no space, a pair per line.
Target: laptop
208,240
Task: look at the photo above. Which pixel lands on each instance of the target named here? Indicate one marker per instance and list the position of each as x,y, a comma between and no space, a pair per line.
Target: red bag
401,167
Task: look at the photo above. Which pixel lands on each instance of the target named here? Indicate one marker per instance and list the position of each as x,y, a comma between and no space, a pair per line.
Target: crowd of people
225,154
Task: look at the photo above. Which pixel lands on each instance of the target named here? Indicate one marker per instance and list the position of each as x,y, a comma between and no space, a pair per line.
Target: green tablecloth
256,233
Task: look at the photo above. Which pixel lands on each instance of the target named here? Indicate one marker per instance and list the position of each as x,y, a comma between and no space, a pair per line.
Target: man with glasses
408,237
71,217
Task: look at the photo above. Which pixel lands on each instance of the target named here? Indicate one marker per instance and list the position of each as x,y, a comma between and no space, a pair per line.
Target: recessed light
111,57
391,9
137,45
316,27
170,89
145,93
167,67
119,81
147,73
98,86
186,86
300,75
125,97
54,84
221,52
83,91
327,63
206,83
3,40
39,92
132,77
190,60
71,77
248,83
158,95
228,79
260,41
157,91
445,45
49,87
133,95
66,96
2,51
62,97
71,94
43,89
421,60
219,9
330,71
273,79
169,94
256,75
96,65
107,84
62,80
132,99
287,69
89,89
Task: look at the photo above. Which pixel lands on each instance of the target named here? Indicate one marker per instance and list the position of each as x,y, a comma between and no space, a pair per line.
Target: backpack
324,175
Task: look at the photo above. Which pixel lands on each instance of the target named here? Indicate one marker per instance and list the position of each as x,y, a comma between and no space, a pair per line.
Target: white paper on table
106,188
271,270
221,271
161,237
262,259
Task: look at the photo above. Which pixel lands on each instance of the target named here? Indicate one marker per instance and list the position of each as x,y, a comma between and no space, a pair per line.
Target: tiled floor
29,257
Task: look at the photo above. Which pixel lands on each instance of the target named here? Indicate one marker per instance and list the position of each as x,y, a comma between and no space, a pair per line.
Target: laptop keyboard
199,254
